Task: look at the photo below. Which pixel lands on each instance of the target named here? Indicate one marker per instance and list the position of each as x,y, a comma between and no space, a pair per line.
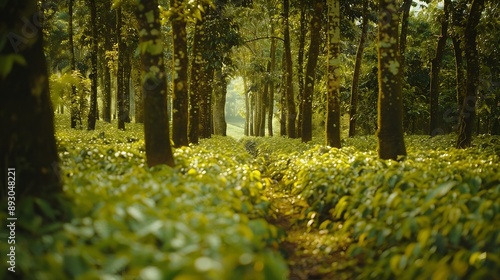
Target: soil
310,253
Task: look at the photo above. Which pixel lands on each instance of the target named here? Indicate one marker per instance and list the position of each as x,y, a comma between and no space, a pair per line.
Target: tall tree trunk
127,71
181,64
390,101
312,61
139,107
120,94
272,65
247,108
108,46
93,61
459,71
156,127
27,146
434,128
257,109
300,65
333,79
195,83
283,109
291,111
220,125
357,72
265,101
468,111
74,110
206,102
404,31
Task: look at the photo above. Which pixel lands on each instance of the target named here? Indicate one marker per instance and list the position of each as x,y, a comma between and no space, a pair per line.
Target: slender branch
262,38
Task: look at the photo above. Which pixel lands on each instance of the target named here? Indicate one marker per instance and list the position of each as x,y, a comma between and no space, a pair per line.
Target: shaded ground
310,253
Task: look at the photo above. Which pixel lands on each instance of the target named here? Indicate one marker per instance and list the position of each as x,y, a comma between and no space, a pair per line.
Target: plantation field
265,208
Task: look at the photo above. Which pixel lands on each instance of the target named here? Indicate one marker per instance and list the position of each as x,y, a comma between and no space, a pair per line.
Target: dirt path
310,253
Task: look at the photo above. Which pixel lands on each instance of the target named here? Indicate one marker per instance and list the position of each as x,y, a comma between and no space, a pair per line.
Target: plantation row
434,215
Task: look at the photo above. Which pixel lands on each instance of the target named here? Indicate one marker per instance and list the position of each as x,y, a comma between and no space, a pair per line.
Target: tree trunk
390,101
283,109
181,64
120,94
156,127
93,61
435,69
468,111
312,61
139,106
220,125
300,65
127,71
357,72
74,110
247,108
290,98
333,79
27,146
108,46
195,83
206,92
459,72
265,104
404,31
272,64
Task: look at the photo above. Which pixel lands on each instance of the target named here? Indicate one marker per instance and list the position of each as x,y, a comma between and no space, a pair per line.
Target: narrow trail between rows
304,248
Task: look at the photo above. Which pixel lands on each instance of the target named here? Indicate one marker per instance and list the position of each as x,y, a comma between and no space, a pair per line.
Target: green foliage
198,220
435,215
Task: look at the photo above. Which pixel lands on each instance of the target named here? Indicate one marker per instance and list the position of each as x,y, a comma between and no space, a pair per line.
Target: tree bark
120,94
390,102
357,72
154,87
93,61
468,110
272,64
127,72
108,46
291,112
404,31
74,110
283,109
195,84
27,145
312,61
435,69
137,80
333,79
220,125
300,65
180,72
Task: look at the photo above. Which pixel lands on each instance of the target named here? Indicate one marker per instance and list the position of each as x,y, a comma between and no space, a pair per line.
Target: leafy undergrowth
199,220
435,215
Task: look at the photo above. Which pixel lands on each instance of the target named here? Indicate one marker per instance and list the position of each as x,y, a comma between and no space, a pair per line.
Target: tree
315,37
93,75
357,71
74,111
390,100
291,112
333,75
435,69
181,63
27,144
219,116
468,110
154,87
120,90
195,84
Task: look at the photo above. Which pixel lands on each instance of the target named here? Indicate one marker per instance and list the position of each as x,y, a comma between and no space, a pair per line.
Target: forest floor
303,248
